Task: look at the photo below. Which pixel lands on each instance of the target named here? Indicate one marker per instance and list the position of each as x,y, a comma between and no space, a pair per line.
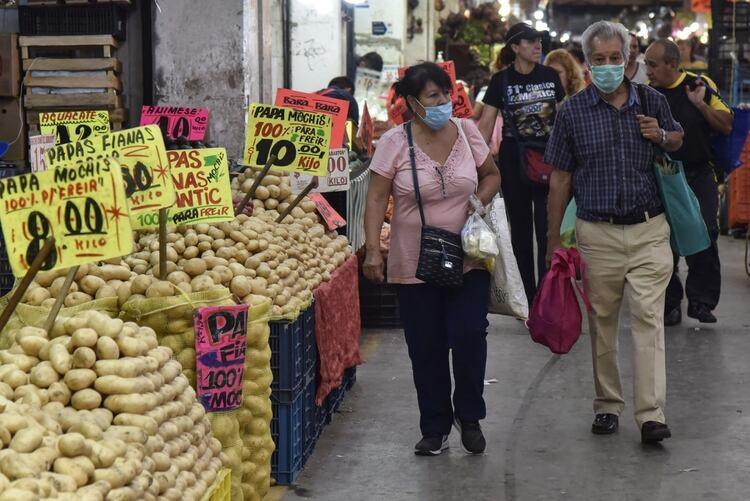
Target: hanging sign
38,145
336,180
220,344
176,122
143,160
73,126
83,207
298,139
202,185
336,108
367,131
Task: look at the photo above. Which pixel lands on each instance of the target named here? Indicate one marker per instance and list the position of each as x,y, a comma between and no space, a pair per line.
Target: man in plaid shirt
603,150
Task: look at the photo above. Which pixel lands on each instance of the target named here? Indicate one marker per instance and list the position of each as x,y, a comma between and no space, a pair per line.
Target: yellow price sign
83,207
73,126
204,190
298,139
143,160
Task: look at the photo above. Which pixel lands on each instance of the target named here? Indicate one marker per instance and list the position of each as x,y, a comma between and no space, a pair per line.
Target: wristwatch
663,137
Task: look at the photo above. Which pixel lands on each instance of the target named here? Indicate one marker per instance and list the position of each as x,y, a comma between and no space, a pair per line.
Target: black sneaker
431,445
653,432
701,312
672,318
472,439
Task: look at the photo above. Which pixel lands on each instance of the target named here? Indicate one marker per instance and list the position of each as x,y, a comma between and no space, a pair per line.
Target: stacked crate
74,73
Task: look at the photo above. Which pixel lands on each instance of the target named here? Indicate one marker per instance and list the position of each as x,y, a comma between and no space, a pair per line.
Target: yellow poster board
73,126
143,159
298,139
203,187
83,207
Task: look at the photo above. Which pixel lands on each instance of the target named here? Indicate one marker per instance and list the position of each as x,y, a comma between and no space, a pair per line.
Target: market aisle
539,444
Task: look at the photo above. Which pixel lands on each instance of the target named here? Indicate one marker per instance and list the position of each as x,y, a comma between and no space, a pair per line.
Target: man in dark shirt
602,148
696,104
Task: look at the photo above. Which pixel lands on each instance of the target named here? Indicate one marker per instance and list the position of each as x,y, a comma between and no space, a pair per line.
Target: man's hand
698,94
373,266
650,129
552,246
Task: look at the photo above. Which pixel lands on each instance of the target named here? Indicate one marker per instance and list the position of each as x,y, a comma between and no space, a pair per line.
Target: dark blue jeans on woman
439,320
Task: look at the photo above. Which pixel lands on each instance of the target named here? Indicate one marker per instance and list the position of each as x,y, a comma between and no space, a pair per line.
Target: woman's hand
373,267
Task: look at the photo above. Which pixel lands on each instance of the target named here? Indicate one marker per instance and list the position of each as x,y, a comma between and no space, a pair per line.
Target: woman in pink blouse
453,163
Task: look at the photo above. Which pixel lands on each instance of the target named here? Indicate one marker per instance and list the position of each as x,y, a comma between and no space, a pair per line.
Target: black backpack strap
412,159
641,89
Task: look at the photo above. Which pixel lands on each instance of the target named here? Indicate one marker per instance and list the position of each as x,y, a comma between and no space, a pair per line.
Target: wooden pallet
66,68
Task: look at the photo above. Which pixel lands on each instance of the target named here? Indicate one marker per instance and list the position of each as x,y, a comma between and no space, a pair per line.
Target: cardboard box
9,123
10,65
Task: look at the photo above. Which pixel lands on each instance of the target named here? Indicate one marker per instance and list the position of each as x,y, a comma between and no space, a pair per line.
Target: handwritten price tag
336,108
332,218
143,160
38,145
72,126
461,104
336,180
298,139
176,122
220,344
202,185
85,209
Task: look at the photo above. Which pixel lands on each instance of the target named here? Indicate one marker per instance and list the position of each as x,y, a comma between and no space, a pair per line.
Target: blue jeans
437,320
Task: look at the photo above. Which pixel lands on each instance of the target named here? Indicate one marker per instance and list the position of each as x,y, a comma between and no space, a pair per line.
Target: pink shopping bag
555,317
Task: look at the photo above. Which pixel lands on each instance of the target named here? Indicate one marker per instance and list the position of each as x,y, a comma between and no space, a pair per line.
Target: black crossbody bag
441,255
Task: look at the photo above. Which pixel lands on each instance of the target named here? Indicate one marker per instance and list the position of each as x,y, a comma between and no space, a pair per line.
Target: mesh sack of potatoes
95,409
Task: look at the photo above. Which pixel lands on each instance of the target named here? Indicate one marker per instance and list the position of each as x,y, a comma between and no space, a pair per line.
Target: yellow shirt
716,102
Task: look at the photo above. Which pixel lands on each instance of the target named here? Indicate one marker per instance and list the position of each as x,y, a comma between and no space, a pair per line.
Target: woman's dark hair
372,61
416,77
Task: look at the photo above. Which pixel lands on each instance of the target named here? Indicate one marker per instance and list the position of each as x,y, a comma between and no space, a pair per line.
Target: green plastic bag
568,226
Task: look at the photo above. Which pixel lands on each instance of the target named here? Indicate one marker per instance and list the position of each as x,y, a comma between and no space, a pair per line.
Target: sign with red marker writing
220,344
38,145
367,131
72,126
298,139
336,108
332,218
83,207
336,180
143,160
176,121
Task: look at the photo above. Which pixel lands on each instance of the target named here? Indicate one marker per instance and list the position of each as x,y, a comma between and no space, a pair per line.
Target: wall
391,45
214,54
422,46
317,43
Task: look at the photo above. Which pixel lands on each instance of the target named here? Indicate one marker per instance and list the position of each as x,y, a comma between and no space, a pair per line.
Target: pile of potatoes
97,410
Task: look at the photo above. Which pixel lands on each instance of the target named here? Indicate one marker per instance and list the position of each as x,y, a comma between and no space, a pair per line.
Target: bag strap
412,159
640,88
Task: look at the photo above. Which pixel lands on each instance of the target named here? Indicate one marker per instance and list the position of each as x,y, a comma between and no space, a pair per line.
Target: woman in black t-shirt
528,94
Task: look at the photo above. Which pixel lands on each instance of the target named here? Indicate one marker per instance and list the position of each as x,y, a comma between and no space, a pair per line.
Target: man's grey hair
605,30
671,51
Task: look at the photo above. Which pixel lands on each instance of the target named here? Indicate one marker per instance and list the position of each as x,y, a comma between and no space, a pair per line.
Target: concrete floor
539,417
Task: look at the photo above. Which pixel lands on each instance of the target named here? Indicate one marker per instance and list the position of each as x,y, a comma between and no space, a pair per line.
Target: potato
56,288
131,346
32,345
160,289
146,423
86,399
131,403
59,392
20,360
37,296
73,444
114,272
26,440
107,349
84,358
202,283
88,430
116,385
78,379
106,291
43,375
128,434
76,298
85,337
91,284
69,467
195,267
124,367
124,293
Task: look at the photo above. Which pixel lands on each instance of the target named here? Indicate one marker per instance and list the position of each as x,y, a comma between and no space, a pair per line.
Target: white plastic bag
478,240
507,295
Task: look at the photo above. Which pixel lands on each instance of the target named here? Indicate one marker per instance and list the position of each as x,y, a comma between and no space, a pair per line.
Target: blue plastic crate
350,377
7,280
311,429
287,431
335,398
310,342
287,355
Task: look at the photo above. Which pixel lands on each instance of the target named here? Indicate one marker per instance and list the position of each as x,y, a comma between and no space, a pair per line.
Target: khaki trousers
640,256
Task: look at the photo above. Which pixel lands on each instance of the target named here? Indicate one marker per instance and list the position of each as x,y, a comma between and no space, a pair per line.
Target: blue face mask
608,77
437,116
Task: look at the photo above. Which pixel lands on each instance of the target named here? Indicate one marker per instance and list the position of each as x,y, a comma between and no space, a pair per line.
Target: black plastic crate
378,304
57,20
350,377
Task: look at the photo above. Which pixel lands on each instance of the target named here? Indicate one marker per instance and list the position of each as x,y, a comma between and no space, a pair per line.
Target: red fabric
337,327
555,317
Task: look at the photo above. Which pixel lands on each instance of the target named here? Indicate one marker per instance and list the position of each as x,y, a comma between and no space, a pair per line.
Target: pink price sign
220,344
176,122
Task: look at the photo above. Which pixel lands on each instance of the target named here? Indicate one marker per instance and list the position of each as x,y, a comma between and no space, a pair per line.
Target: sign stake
241,207
36,265
60,299
163,244
297,200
